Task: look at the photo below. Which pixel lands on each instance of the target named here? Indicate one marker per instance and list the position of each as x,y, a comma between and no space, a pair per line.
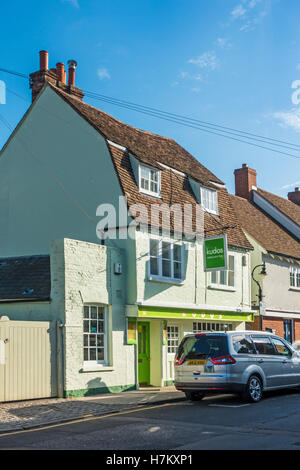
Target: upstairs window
166,260
294,276
209,200
149,180
225,278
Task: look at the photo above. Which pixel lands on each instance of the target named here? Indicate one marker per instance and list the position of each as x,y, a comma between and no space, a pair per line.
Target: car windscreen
203,346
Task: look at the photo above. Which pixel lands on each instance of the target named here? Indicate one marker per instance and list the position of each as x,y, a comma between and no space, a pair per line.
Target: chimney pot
60,71
297,189
44,60
72,64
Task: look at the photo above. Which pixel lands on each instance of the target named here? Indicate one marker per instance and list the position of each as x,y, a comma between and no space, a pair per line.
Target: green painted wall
54,172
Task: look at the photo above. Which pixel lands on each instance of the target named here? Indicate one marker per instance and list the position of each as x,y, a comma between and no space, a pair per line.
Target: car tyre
194,396
254,390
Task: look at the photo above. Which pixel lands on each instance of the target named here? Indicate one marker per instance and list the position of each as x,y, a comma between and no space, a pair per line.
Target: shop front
159,331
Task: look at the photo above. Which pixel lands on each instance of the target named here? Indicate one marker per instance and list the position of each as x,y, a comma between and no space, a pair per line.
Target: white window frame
295,275
159,276
158,182
206,325
217,273
104,362
204,198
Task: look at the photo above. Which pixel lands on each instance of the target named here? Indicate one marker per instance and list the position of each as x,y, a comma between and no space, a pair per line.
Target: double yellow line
86,418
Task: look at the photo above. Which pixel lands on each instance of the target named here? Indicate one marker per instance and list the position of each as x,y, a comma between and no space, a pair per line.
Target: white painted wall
83,273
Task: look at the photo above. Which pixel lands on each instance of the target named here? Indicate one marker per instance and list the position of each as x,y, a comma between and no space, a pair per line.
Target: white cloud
224,43
206,60
291,185
289,118
73,2
238,12
253,3
195,90
103,74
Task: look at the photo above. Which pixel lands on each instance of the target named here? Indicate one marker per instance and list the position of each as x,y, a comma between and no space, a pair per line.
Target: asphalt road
220,422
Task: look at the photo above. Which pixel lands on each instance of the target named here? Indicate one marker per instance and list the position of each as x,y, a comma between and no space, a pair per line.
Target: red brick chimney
56,77
60,72
245,178
295,196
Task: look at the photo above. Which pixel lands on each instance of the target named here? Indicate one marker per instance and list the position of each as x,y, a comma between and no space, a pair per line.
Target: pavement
29,414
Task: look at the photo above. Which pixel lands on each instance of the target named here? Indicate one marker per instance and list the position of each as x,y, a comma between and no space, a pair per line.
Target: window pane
166,268
100,354
86,327
86,354
154,175
214,277
92,340
100,327
223,277
177,270
280,347
243,345
154,266
154,187
166,250
177,252
93,326
145,184
92,354
86,312
154,244
101,313
100,340
263,345
93,312
85,340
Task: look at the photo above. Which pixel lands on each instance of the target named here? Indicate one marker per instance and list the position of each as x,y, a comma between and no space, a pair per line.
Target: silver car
243,362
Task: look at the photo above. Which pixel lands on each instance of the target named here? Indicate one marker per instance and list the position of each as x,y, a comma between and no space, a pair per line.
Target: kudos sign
215,253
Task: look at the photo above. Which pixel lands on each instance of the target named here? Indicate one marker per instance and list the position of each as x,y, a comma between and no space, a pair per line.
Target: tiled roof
147,147
175,189
151,149
264,229
25,277
288,208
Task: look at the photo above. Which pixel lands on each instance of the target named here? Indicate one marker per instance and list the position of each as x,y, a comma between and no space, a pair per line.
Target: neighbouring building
63,167
272,225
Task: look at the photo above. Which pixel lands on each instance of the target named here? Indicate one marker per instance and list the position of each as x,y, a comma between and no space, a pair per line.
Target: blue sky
228,62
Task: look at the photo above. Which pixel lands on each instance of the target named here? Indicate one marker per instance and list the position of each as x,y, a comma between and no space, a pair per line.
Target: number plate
197,362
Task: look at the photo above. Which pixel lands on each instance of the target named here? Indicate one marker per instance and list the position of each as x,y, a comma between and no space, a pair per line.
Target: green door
144,353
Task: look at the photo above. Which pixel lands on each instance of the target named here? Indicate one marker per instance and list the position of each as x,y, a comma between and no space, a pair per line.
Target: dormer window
149,181
209,200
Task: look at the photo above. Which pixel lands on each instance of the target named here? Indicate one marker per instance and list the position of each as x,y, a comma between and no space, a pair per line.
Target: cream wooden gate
27,360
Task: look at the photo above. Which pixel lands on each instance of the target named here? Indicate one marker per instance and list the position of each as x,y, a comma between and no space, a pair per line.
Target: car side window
264,345
281,348
242,344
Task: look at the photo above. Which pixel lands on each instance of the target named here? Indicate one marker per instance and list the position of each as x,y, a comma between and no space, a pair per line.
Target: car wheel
194,396
254,389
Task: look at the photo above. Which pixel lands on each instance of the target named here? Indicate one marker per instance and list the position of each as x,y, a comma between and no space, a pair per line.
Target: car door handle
196,373
260,360
284,361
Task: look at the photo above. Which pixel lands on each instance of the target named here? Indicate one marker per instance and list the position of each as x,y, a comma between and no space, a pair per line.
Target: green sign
215,253
169,313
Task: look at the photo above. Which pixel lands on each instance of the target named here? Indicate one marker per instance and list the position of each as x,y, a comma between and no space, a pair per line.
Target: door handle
260,360
284,361
196,373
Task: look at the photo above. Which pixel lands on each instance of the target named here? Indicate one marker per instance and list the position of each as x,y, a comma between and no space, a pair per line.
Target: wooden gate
27,360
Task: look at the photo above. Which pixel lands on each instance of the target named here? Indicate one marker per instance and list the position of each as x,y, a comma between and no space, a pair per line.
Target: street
220,422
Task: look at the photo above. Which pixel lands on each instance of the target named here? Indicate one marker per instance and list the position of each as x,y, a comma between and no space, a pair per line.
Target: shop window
211,326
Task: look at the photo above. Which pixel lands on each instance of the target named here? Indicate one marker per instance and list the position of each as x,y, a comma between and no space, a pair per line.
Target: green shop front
157,332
